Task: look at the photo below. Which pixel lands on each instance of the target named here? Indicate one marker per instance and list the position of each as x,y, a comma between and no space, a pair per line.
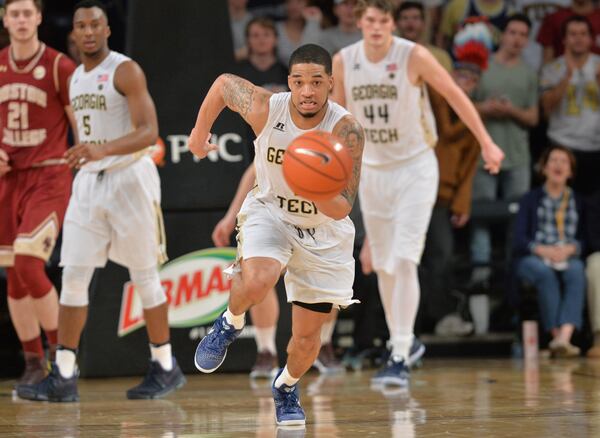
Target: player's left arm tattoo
353,137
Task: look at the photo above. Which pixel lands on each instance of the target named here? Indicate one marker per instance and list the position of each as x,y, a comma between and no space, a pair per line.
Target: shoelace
290,401
215,342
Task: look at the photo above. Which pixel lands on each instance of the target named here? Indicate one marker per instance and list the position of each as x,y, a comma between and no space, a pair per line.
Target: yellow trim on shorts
7,256
40,242
160,234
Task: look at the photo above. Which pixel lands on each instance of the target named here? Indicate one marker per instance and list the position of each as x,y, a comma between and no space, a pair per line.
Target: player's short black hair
517,17
311,54
85,4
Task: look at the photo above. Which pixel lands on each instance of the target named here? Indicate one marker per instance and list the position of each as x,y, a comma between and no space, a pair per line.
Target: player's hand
200,147
492,156
459,220
83,153
365,258
4,166
222,232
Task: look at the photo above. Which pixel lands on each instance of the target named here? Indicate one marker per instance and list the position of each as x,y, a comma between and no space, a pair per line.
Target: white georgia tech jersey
102,113
395,114
270,145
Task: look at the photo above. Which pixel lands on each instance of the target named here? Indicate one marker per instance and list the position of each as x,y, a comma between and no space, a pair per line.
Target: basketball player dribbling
114,211
381,80
314,245
35,182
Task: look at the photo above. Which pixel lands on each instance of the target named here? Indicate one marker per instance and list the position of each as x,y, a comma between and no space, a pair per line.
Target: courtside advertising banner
196,287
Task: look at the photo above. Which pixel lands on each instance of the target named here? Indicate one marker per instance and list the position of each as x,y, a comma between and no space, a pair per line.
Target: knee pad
148,287
31,272
16,289
75,284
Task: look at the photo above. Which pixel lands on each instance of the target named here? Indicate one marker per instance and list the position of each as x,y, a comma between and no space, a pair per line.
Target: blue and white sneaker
288,411
212,349
54,388
417,350
394,372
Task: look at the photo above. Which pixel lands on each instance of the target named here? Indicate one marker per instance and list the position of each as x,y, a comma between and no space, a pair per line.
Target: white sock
265,339
285,378
237,321
400,295
327,332
65,361
162,355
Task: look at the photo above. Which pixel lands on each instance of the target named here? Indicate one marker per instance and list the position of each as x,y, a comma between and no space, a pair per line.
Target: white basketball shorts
318,261
116,216
396,204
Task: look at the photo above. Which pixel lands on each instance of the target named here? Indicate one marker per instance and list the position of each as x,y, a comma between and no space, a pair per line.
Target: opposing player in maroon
35,183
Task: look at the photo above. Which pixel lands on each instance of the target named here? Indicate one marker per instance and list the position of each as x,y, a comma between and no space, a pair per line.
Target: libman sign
197,290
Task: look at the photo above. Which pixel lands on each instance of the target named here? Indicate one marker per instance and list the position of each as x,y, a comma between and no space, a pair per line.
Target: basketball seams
319,138
314,169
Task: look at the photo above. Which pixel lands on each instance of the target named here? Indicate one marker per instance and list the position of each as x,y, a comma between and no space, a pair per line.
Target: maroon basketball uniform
35,193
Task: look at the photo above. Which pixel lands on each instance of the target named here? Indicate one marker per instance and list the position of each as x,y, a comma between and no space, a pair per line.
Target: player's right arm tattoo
238,94
352,134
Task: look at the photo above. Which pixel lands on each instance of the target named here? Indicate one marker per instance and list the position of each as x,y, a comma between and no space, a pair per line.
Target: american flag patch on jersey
103,77
391,67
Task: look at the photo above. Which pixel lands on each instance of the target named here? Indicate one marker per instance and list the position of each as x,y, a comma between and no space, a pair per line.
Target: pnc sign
197,290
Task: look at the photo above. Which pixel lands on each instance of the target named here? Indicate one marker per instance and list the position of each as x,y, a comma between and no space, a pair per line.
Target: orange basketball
317,166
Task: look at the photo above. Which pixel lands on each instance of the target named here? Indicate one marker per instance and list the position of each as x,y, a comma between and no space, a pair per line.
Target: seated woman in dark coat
548,242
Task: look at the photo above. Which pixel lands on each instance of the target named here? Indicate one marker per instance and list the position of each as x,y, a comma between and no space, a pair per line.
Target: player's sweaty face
310,86
90,30
376,25
22,19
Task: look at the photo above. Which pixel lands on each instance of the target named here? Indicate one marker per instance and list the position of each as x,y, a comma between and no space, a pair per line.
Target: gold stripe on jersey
428,134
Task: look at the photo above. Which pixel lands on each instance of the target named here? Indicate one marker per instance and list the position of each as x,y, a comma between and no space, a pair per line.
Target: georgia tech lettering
372,91
16,133
89,101
292,205
275,155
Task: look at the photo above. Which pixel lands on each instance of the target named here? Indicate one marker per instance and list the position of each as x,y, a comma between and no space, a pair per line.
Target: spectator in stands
593,269
410,22
262,66
507,99
457,153
457,12
548,241
346,32
239,18
571,100
551,35
302,26
537,11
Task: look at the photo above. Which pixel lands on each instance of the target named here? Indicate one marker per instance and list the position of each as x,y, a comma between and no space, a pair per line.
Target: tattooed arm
237,94
352,135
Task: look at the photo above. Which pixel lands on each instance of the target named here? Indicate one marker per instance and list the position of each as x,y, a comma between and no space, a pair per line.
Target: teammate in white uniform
311,240
381,80
114,211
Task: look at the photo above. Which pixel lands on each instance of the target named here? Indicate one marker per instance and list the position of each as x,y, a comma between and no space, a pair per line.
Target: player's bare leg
326,362
258,276
28,331
303,349
157,323
264,318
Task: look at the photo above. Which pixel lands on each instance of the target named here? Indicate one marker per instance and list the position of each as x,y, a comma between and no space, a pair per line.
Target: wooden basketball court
457,398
